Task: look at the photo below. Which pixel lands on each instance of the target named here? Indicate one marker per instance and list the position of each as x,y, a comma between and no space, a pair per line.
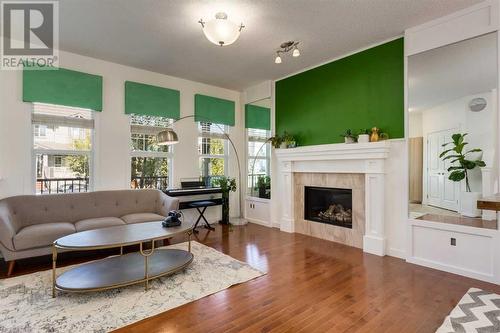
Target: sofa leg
10,267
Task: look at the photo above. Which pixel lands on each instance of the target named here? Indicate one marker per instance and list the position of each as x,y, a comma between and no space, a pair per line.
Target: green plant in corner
263,184
460,164
227,185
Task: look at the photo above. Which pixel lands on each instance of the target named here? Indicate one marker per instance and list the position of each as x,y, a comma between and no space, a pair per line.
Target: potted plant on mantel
364,136
283,141
459,170
226,185
349,136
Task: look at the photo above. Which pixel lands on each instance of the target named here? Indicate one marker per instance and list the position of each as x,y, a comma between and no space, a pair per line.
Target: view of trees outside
148,171
211,166
79,164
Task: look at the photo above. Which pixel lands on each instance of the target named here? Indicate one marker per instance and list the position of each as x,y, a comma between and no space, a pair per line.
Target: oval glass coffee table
124,269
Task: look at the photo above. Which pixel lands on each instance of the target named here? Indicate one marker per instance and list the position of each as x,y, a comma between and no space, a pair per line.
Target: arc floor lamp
169,137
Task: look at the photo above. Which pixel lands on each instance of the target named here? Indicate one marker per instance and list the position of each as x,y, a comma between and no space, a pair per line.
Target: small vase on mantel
374,136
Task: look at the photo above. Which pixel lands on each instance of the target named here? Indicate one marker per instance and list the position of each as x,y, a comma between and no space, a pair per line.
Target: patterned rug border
212,273
477,311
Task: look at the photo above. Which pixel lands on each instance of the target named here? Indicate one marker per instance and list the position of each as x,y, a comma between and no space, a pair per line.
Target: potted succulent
364,136
227,185
459,170
349,136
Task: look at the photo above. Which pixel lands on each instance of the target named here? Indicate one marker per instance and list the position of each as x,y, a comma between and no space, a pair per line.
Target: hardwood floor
312,285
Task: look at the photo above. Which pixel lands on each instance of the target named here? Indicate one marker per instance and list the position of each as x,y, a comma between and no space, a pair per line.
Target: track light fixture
285,48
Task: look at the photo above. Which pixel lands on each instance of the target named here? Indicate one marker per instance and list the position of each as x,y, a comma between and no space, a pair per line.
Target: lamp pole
255,159
232,145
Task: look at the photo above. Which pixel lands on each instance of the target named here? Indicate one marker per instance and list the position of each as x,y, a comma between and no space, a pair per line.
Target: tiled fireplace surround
359,167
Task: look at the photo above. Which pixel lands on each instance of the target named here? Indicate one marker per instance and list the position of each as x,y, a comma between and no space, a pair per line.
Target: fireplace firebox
328,205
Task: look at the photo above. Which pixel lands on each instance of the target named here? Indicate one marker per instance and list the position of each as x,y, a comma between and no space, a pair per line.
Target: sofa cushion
142,217
39,235
98,222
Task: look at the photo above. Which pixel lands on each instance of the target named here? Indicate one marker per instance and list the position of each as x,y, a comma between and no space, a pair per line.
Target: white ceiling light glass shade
277,60
220,30
296,52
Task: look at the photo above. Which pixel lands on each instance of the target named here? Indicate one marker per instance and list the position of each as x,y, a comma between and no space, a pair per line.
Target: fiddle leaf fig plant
460,164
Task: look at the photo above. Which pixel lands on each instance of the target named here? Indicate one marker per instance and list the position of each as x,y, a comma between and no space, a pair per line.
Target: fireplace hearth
328,205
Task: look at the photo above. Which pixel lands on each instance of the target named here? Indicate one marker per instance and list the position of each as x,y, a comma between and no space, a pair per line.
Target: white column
287,222
374,238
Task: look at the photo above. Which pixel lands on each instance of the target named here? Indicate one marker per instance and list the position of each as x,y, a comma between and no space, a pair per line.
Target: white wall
112,153
480,126
415,124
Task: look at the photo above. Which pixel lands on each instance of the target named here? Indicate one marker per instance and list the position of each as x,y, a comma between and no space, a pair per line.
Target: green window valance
212,109
63,87
257,117
151,100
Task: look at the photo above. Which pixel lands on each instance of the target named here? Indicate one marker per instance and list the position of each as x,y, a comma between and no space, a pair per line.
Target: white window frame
34,152
225,144
250,158
151,154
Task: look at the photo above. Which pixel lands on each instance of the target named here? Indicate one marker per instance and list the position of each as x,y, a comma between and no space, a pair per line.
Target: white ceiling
164,36
451,72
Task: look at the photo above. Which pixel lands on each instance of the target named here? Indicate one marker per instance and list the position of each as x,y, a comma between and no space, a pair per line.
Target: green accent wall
360,91
63,87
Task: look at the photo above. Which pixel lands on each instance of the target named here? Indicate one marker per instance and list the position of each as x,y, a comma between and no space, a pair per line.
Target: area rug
26,304
478,311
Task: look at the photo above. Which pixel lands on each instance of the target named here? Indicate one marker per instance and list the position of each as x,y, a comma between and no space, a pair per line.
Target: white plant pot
348,139
364,138
468,204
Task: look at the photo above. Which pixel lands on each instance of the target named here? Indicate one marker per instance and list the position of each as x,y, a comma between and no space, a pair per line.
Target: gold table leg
54,259
146,254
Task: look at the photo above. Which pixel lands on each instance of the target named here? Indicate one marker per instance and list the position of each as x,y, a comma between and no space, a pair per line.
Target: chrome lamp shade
167,137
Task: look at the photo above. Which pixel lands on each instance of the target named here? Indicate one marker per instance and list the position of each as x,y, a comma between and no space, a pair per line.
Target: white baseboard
452,269
374,245
397,253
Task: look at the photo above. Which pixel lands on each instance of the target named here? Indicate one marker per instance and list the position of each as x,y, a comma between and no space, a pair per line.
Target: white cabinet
462,250
257,210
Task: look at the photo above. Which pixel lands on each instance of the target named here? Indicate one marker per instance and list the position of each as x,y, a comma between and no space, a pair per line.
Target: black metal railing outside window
61,185
158,182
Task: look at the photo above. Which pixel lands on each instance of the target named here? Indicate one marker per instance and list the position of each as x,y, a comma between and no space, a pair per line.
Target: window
62,148
40,131
150,163
259,153
212,149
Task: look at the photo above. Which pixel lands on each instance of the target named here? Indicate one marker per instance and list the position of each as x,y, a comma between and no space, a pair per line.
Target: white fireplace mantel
365,158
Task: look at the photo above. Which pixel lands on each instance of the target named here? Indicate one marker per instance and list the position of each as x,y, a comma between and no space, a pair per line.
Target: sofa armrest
167,204
8,227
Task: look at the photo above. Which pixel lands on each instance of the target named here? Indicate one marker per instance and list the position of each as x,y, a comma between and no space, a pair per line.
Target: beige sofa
30,223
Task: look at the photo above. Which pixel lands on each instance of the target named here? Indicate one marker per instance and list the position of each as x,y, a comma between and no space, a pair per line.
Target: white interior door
441,192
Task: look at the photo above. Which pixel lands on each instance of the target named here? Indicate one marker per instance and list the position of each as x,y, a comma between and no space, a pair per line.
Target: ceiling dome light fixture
220,30
285,48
